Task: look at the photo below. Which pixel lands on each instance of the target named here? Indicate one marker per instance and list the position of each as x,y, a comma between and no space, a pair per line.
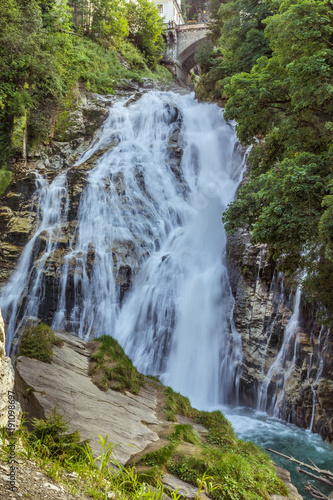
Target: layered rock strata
263,307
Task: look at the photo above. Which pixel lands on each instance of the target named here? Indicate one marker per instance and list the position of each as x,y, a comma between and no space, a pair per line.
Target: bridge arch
186,58
182,42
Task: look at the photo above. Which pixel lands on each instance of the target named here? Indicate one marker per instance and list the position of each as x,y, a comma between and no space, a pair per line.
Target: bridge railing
173,25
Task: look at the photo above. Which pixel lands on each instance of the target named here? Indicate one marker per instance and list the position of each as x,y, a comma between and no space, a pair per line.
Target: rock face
303,388
130,421
20,212
6,378
90,410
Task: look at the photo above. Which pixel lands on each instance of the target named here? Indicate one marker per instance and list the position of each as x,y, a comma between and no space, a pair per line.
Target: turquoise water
251,425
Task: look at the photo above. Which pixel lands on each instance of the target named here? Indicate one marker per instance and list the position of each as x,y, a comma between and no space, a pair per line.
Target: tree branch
313,467
318,478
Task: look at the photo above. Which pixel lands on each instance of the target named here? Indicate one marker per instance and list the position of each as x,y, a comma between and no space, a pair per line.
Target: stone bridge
182,42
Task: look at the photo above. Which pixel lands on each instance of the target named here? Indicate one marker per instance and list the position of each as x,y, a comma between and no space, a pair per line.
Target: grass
232,469
176,403
67,460
100,70
110,367
37,342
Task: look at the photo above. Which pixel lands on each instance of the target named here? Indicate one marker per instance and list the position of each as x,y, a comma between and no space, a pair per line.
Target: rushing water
284,363
142,208
252,425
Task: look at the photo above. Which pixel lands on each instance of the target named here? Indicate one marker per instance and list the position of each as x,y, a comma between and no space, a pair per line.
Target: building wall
169,10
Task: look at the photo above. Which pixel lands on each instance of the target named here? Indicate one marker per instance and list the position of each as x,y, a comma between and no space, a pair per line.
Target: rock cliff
263,307
6,380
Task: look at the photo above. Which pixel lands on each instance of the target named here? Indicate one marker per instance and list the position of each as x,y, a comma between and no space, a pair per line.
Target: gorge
123,236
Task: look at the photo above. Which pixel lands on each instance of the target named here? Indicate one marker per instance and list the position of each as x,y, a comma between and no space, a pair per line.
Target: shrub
37,342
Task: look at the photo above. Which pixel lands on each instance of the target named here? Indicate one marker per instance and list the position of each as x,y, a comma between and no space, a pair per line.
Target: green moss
111,367
184,432
151,476
159,457
37,342
237,470
176,403
220,431
5,178
19,127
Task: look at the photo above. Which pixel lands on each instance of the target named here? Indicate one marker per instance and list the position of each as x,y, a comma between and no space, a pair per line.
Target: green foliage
237,42
220,431
112,368
46,48
104,20
183,432
145,30
159,457
178,404
37,342
5,178
50,437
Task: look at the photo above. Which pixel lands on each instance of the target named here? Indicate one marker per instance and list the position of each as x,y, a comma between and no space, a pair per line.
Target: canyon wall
300,390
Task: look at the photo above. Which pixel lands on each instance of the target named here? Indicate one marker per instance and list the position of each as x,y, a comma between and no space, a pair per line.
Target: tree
145,30
237,32
286,101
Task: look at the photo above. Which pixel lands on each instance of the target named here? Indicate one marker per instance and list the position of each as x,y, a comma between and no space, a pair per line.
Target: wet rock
262,312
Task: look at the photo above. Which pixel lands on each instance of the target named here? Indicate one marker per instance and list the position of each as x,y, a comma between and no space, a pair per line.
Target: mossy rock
235,470
111,368
37,342
5,178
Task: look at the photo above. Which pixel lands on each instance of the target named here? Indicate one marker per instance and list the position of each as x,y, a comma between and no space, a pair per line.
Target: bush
37,342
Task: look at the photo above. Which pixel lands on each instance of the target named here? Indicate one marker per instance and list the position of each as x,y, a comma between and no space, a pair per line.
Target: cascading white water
177,320
52,206
283,364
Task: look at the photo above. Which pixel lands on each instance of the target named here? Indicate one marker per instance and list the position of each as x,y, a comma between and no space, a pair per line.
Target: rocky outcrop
135,423
6,380
72,132
122,417
263,307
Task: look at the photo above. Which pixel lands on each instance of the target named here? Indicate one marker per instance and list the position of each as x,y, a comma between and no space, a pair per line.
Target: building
170,10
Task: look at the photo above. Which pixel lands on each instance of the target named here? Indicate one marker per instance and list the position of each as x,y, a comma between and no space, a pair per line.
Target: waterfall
155,209
27,285
283,365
